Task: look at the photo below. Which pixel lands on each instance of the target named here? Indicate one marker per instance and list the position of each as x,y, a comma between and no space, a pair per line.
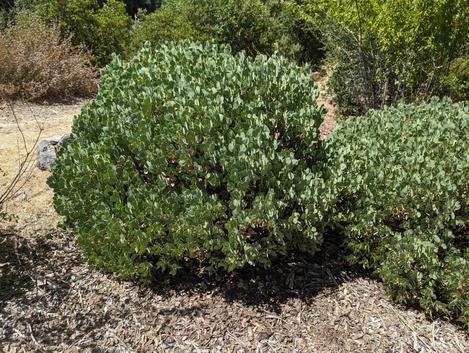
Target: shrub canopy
253,26
398,183
190,152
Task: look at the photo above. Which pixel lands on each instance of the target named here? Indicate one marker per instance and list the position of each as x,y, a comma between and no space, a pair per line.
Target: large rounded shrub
192,153
398,183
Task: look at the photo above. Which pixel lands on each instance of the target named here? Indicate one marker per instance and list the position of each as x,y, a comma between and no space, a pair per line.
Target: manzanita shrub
191,153
398,183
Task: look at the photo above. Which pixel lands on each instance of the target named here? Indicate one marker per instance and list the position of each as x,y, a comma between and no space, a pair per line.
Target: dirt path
329,124
51,301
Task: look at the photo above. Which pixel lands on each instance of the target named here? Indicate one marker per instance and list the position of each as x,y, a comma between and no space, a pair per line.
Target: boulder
47,150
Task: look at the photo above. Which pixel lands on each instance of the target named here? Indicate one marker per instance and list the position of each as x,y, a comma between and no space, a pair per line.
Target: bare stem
25,165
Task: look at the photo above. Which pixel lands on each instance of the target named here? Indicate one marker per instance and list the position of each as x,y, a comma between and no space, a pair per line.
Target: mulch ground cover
51,301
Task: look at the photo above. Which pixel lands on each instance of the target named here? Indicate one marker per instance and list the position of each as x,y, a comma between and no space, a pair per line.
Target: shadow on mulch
293,276
36,275
28,260
27,265
39,274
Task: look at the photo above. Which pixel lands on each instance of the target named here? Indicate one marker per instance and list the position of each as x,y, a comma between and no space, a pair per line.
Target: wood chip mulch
51,301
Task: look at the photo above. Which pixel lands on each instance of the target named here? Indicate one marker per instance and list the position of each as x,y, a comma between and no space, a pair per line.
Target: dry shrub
38,64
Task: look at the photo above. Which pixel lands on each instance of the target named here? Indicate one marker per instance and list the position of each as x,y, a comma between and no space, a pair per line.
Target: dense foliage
6,4
383,51
175,20
397,182
10,8
197,152
256,27
191,152
455,83
103,27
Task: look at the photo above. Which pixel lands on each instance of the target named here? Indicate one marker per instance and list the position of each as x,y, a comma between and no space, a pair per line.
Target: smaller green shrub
397,187
255,27
6,5
101,26
3,19
10,9
192,153
27,5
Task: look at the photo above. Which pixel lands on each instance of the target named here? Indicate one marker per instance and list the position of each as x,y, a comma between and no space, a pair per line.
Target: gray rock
47,151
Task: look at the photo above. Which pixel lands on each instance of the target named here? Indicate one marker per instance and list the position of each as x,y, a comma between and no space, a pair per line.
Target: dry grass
37,64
